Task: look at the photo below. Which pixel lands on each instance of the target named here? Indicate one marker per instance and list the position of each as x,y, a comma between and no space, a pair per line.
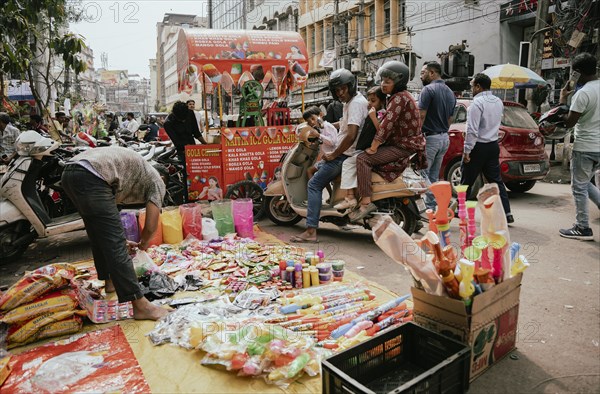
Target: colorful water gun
482,243
461,191
338,332
466,287
400,317
497,242
431,219
443,194
471,225
444,264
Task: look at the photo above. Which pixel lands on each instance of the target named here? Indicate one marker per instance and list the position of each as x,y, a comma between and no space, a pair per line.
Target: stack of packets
40,305
290,332
481,260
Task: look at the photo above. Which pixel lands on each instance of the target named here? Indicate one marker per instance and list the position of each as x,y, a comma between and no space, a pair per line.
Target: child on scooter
328,135
376,99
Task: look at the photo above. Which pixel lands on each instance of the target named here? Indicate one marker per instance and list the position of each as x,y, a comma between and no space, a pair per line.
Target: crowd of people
381,133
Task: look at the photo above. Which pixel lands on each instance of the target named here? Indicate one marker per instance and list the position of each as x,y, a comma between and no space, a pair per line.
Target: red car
523,158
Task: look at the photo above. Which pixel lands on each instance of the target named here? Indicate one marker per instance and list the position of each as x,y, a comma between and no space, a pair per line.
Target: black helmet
397,72
342,77
152,119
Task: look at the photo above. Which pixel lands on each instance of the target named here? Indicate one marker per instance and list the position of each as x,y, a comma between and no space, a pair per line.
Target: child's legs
349,182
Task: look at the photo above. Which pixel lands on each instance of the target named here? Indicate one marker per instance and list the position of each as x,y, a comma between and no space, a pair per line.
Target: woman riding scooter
398,138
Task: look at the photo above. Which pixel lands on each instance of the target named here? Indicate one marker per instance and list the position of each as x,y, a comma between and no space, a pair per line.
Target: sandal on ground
299,239
362,212
346,204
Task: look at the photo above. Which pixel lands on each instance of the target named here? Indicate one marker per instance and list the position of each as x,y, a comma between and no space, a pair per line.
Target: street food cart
243,65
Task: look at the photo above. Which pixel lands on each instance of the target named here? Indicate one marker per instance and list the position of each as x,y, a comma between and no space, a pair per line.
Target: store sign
518,7
561,62
547,64
548,45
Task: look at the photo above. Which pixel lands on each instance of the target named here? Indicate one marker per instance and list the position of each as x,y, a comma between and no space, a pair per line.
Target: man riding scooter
342,85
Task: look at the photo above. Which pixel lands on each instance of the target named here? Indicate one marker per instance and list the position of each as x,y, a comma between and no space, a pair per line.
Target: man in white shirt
342,84
481,151
8,136
584,114
132,124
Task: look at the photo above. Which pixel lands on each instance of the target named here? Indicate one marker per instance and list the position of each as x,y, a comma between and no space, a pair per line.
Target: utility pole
361,34
336,32
537,45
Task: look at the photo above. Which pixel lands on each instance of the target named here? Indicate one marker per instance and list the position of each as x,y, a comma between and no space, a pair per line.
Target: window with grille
372,22
401,15
387,17
329,40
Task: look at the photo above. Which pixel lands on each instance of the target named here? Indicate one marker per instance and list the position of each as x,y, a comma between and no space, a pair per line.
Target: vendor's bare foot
108,286
145,310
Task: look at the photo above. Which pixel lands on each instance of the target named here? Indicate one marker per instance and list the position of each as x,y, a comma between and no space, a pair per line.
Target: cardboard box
103,311
490,329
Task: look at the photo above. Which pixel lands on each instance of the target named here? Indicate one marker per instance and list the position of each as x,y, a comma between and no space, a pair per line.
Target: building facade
230,14
278,16
166,54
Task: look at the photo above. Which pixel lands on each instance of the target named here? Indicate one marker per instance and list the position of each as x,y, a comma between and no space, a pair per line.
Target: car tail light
504,167
501,135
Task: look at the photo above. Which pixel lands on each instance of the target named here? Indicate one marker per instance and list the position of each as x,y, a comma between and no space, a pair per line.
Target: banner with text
204,172
254,153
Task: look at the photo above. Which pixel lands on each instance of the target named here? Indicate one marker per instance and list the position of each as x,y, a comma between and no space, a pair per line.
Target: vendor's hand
328,156
143,245
466,158
132,246
371,150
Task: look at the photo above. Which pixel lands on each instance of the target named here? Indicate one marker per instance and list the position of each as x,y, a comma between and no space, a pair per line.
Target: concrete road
559,321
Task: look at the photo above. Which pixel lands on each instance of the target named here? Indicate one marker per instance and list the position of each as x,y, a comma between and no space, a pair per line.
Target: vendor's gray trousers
95,201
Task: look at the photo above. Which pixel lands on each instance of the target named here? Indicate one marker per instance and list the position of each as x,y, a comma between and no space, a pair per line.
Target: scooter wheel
280,212
405,218
249,189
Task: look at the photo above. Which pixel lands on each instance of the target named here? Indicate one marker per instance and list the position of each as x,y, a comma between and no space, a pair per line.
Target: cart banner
254,153
205,176
279,56
99,362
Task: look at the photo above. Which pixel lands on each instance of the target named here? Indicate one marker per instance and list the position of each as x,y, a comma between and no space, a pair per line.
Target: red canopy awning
242,54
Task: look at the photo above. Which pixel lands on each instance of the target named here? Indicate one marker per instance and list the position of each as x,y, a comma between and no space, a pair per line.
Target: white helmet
85,140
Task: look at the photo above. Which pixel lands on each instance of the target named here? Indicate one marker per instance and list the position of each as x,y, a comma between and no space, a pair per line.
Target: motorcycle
552,123
24,215
286,198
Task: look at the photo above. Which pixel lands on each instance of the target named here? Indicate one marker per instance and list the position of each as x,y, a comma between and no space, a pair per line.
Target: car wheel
520,186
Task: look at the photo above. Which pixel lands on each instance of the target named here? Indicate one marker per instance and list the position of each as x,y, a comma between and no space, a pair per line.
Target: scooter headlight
26,141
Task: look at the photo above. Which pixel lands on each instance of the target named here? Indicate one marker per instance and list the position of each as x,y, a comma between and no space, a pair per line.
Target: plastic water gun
443,194
481,242
461,191
338,332
471,225
431,219
466,288
497,242
444,265
519,265
358,327
400,317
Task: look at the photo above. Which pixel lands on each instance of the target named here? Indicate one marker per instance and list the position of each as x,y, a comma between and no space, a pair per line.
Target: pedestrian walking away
481,152
436,107
96,181
584,115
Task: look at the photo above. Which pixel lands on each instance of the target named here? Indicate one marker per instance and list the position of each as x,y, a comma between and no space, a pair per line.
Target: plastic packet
401,248
142,263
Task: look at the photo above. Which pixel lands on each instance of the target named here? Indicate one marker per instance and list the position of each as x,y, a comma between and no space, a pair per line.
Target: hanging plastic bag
157,238
130,225
191,217
171,225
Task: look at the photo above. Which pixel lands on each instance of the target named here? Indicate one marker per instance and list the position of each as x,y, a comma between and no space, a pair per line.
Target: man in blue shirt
481,152
436,105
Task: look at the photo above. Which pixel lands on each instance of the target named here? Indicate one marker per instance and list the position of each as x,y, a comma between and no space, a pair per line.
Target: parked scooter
23,215
552,123
286,199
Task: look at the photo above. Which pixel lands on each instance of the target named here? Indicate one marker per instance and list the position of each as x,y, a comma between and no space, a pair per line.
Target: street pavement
559,315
